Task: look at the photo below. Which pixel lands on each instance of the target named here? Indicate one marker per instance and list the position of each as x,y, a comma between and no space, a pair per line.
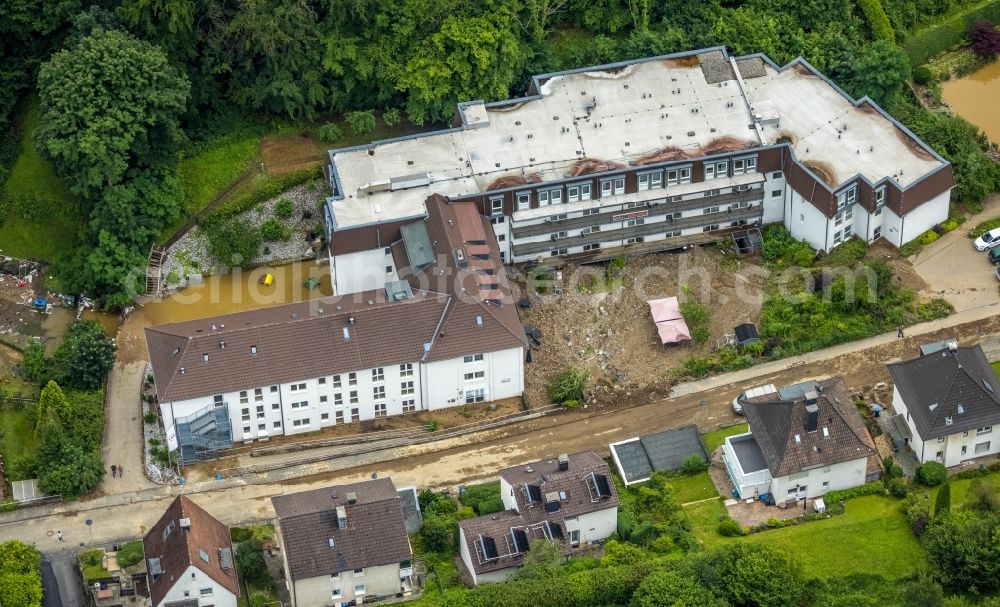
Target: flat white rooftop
658,109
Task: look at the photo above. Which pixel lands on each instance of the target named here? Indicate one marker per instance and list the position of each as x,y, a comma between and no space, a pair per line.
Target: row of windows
596,246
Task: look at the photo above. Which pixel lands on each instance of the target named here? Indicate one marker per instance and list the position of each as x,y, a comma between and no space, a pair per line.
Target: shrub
568,385
391,117
922,75
898,487
892,469
233,242
361,123
432,425
284,208
330,131
130,554
927,237
917,513
697,317
272,230
877,20
475,496
782,250
984,39
873,488
931,474
942,504
694,464
729,528
149,418
984,227
950,224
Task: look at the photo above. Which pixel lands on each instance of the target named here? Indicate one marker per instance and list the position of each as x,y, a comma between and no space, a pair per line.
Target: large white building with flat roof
647,155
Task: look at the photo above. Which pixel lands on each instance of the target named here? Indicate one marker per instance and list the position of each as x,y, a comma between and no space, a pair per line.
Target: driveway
60,583
955,270
123,429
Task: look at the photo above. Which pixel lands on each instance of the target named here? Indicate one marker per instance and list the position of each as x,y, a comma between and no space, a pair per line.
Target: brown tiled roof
182,548
293,342
375,533
840,436
482,317
532,517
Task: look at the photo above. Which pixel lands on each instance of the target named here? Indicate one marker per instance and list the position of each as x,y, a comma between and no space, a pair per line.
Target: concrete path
123,437
955,270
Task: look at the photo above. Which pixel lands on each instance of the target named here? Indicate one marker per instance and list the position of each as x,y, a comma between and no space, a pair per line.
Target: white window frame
585,191
406,388
572,193
543,197
359,590
378,392
406,370
746,164
409,405
650,180
606,187
336,381
879,200
474,375
523,201
496,205
556,196
378,374
984,430
381,410
472,358
596,246
475,395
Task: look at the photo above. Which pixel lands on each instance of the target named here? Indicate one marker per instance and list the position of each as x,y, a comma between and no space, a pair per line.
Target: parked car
994,256
988,240
751,393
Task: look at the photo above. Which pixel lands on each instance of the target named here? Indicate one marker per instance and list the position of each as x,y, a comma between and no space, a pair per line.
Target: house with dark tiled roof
802,446
345,544
189,559
569,499
444,333
947,403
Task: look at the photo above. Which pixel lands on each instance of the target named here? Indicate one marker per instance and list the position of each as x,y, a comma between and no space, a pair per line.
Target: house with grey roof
444,333
947,403
345,544
802,446
569,499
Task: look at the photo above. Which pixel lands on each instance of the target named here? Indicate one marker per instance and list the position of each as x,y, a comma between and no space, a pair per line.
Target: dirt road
123,430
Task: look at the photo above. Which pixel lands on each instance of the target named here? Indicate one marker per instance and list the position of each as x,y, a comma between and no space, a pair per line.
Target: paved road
60,583
955,270
477,457
123,435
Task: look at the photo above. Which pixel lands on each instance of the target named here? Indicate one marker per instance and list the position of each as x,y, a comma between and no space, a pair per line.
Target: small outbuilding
746,334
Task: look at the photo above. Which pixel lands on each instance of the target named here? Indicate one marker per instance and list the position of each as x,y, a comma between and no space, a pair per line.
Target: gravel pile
190,254
154,471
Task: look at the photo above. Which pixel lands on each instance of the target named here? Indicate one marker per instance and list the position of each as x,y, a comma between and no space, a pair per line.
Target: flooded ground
976,98
234,292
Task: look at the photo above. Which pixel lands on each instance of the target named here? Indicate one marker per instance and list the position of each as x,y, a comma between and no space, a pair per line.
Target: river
976,98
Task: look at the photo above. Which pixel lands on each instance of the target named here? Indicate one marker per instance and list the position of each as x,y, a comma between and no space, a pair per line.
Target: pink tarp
670,324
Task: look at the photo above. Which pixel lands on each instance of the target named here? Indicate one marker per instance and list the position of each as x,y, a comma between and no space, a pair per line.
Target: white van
751,393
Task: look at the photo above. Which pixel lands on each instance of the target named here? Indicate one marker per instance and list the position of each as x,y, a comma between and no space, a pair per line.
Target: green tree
437,532
111,271
942,504
963,551
666,588
544,561
467,58
250,560
109,104
137,210
877,70
53,407
20,577
74,473
752,575
85,356
233,242
36,367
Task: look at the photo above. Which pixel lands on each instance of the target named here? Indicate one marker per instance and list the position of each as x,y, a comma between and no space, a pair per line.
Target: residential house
189,559
570,500
949,402
344,544
802,446
644,155
446,334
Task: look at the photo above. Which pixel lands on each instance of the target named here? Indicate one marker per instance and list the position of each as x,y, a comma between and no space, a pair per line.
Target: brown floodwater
976,98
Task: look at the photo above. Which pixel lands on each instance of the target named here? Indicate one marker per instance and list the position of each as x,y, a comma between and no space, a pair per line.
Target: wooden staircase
153,272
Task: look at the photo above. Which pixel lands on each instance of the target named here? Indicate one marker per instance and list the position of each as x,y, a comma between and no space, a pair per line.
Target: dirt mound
289,154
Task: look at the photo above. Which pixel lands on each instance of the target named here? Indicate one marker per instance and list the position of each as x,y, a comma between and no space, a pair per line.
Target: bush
361,123
873,488
249,557
942,504
782,250
950,224
984,227
130,554
694,464
892,469
329,132
475,496
898,487
568,385
877,20
85,356
150,418
272,230
284,208
917,513
697,317
391,117
931,474
922,75
730,528
233,242
947,33
927,237
984,38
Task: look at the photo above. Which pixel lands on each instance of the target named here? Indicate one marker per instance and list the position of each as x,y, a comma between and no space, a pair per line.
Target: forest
126,87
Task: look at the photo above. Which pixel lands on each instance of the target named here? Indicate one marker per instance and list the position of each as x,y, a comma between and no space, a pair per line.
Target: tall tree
140,208
109,104
53,407
877,70
85,356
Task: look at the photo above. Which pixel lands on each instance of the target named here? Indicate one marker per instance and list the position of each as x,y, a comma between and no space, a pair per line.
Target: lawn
870,537
996,368
92,563
130,554
18,437
54,220
208,173
692,488
715,438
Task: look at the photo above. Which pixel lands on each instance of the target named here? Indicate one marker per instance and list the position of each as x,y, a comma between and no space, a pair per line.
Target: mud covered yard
605,326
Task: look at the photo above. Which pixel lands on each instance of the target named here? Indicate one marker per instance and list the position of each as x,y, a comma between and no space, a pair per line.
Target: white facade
259,413
950,450
495,577
346,586
806,222
749,483
586,528
196,584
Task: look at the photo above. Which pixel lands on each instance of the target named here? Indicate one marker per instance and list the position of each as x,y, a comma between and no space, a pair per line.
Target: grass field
34,184
18,435
692,488
996,368
715,438
871,536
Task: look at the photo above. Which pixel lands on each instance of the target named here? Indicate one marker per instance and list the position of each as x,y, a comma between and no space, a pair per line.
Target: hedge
872,488
939,38
877,20
261,189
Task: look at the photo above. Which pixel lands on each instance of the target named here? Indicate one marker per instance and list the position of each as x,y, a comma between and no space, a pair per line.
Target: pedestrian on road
59,535
121,470
899,333
114,470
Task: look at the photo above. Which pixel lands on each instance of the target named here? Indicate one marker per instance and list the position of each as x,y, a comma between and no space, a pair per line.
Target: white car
988,240
751,393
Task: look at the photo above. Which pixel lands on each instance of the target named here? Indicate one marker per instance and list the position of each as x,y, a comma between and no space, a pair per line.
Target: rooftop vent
479,320
948,420
185,523
204,357
176,352
952,346
563,462
352,498
798,439
961,409
183,370
552,502
933,406
222,345
350,320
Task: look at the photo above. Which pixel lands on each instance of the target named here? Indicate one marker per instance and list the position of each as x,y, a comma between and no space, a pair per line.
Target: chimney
953,346
185,524
341,517
352,498
563,462
812,417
